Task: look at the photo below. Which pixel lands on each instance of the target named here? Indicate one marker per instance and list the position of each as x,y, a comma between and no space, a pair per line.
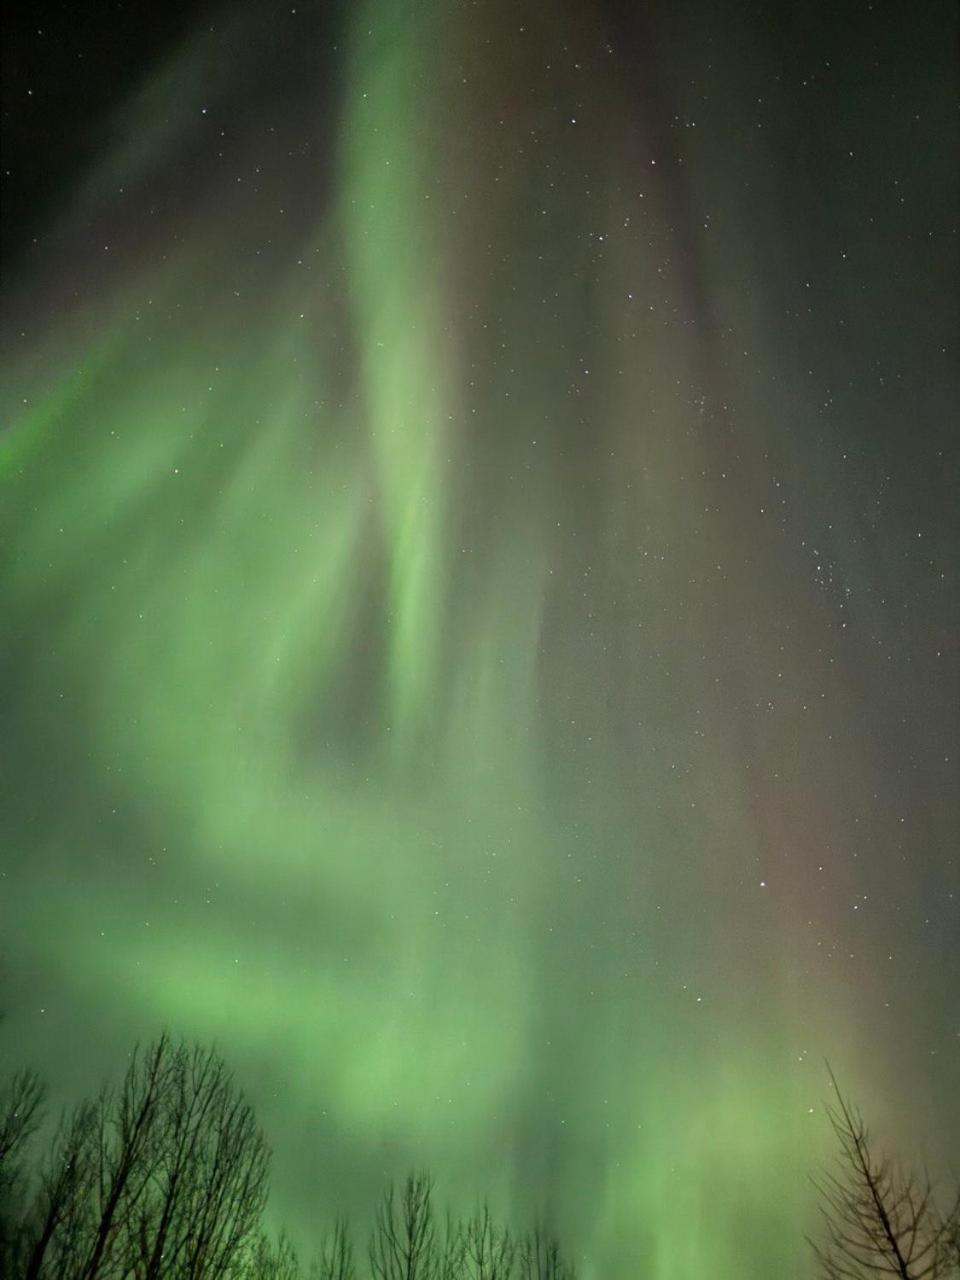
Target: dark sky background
478,591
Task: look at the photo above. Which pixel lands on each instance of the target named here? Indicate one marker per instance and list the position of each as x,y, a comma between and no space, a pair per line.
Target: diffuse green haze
398,618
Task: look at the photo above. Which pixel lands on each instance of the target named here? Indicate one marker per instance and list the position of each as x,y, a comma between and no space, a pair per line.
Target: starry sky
478,603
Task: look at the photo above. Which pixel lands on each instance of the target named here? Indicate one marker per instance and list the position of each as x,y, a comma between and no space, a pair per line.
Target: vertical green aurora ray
395,613
394,281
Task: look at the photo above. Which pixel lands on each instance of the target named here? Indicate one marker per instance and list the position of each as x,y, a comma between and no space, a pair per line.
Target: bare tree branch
490,1250
877,1219
403,1245
540,1257
335,1260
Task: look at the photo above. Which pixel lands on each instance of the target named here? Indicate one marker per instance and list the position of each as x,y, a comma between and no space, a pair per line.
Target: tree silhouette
405,1243
541,1258
21,1111
162,1180
335,1260
879,1220
164,1177
55,1234
489,1250
209,1179
951,1240
269,1261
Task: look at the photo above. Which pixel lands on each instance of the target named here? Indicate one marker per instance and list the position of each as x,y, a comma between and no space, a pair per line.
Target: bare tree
489,1250
405,1244
335,1260
208,1181
951,1240
57,1231
540,1257
128,1144
269,1261
164,1179
229,1189
21,1111
450,1250
879,1220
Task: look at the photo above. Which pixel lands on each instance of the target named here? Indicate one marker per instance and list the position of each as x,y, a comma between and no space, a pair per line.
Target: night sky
478,600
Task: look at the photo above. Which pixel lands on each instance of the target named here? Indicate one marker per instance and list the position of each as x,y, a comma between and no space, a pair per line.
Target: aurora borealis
478,594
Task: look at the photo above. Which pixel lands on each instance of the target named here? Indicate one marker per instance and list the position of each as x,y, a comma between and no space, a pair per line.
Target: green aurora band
418,682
